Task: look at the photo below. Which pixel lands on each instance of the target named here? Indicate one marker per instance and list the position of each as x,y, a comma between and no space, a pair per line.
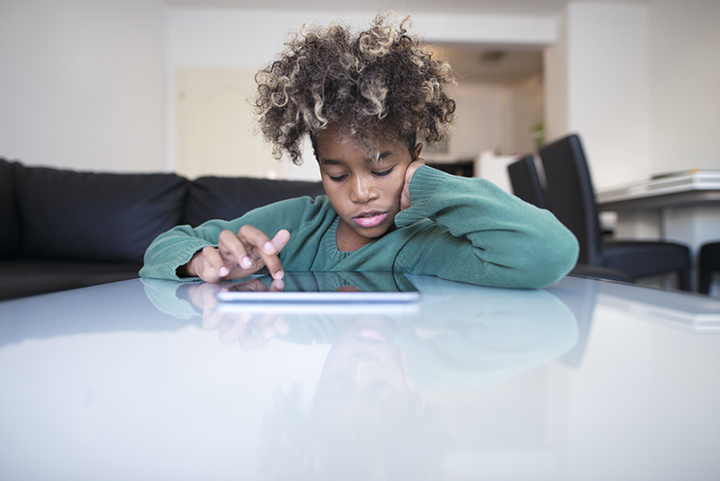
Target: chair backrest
570,195
525,181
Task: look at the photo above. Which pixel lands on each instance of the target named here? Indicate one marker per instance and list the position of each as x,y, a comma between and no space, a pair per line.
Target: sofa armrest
10,240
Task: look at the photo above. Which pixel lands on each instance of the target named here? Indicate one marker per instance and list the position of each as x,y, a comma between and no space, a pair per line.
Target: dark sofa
61,229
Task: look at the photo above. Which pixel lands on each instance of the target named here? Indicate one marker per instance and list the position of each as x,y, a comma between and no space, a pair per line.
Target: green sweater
457,228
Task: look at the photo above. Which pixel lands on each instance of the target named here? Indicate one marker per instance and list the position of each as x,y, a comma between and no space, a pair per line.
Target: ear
416,152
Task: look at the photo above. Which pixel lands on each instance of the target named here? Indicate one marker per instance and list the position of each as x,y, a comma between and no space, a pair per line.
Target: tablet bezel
378,294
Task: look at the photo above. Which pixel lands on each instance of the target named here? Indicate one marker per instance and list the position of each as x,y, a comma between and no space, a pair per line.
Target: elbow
557,259
545,260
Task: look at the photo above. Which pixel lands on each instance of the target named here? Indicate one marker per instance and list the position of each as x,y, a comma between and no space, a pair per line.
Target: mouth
370,219
369,335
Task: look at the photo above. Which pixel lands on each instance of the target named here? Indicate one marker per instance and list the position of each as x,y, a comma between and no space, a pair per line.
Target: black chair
709,263
570,196
526,182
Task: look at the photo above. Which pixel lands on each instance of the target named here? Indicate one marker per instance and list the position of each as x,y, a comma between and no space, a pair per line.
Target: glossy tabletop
584,380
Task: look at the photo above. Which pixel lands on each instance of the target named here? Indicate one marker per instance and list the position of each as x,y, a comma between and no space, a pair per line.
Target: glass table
151,380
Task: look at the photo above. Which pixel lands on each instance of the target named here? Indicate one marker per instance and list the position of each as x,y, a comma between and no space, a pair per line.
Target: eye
337,179
386,172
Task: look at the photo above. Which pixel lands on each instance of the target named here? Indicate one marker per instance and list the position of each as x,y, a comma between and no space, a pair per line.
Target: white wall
478,125
495,117
82,83
603,63
685,84
525,108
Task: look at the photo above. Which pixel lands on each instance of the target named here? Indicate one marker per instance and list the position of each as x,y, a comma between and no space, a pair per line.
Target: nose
363,189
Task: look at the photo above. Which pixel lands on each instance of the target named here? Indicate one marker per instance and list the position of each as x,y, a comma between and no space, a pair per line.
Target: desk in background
683,207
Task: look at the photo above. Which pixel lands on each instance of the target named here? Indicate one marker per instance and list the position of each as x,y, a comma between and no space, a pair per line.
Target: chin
376,232
369,232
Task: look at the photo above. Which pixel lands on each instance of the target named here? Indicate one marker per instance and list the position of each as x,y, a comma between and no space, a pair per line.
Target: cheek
396,186
329,186
336,195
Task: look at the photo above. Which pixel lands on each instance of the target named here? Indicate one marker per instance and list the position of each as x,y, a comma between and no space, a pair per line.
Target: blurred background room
163,86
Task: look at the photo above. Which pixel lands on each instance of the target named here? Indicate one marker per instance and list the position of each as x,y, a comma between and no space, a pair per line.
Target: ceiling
472,63
486,7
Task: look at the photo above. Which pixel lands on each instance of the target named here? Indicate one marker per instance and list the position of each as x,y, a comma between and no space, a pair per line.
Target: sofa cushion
230,197
28,277
86,216
10,230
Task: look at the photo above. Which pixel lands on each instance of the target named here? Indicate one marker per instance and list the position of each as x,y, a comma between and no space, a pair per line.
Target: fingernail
278,275
268,333
223,271
246,262
269,247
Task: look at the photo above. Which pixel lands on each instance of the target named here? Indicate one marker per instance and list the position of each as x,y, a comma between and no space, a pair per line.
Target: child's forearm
170,254
187,270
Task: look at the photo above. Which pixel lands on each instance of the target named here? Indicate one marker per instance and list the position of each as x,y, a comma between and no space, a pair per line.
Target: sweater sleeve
482,234
176,247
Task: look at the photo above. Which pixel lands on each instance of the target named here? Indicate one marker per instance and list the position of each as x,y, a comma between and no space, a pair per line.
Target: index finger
232,248
267,250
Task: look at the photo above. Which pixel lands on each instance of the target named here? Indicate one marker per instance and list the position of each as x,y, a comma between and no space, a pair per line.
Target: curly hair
378,80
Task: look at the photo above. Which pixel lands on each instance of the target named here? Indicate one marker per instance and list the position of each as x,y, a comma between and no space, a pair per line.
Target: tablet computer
323,287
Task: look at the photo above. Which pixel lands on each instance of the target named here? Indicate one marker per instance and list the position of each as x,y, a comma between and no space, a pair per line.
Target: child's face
363,180
365,374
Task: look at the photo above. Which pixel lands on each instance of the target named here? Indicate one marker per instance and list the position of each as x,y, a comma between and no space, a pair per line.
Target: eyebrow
369,160
330,162
383,155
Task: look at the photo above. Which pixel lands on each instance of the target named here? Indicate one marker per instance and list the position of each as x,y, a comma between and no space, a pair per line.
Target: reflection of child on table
462,334
368,416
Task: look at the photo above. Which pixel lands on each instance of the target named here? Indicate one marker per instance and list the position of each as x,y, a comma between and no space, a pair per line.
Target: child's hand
405,195
239,255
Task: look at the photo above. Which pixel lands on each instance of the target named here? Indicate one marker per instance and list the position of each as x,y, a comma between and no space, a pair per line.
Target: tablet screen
323,287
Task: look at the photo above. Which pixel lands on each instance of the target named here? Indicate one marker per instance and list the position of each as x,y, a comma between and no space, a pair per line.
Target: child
362,99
